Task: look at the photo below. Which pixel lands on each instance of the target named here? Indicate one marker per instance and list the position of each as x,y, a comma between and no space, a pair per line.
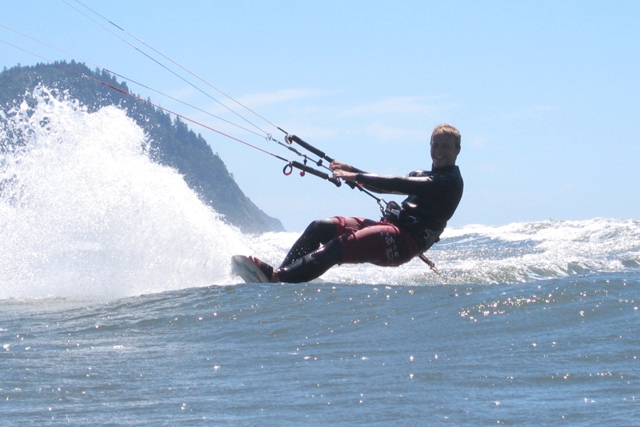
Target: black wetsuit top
433,196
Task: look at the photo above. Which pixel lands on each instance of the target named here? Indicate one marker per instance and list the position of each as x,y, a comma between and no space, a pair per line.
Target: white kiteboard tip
247,270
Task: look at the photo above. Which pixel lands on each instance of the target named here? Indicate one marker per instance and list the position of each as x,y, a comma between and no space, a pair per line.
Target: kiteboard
247,270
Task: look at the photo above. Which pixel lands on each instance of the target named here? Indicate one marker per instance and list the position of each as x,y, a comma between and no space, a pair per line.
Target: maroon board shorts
377,242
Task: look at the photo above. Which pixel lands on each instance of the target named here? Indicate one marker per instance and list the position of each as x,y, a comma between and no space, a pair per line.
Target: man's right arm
336,165
344,171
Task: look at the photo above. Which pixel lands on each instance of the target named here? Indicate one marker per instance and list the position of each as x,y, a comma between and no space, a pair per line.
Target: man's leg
317,233
310,266
382,244
307,260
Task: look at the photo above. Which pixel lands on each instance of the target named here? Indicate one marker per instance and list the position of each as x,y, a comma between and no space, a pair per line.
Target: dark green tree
172,143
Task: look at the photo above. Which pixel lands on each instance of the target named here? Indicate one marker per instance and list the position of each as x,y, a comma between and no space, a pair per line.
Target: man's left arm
417,185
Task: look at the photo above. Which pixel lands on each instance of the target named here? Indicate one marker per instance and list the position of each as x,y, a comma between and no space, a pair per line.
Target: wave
521,252
85,214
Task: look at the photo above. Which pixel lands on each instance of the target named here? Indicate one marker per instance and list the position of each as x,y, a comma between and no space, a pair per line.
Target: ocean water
117,307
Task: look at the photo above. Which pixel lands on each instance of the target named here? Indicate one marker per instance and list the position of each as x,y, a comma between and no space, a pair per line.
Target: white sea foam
84,212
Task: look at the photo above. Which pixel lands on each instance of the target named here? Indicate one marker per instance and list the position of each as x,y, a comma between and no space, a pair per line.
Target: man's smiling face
443,151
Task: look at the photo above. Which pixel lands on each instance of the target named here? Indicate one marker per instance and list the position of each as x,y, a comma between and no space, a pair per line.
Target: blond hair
449,131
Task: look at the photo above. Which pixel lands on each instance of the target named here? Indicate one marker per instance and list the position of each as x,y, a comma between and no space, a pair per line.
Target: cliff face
172,143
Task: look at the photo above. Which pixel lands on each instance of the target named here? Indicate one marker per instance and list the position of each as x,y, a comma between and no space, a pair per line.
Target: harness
398,216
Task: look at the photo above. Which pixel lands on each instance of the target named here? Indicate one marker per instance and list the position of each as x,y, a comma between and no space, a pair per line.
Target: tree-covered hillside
172,142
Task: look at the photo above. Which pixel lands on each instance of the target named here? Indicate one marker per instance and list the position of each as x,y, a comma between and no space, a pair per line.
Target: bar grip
308,146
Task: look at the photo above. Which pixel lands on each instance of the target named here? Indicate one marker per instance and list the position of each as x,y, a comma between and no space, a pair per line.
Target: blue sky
545,93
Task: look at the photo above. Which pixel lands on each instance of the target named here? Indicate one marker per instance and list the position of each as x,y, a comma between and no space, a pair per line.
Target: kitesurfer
405,231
